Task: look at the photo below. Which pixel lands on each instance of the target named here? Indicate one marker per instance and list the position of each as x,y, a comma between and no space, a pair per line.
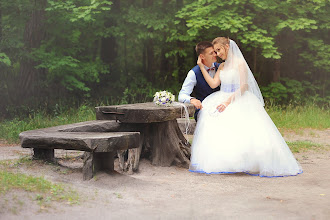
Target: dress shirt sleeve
187,87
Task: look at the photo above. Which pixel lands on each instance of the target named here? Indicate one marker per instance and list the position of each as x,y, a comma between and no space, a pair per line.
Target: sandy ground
175,193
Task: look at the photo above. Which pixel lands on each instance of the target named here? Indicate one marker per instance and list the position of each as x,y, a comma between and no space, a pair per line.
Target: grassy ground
303,146
291,117
41,191
10,129
295,117
45,193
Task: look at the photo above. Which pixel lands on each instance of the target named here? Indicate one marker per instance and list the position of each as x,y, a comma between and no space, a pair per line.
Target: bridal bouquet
164,98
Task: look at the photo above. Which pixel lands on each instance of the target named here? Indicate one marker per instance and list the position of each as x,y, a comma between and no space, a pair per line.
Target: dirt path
175,193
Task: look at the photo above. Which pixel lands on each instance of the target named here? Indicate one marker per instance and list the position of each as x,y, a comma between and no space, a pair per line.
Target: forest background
59,53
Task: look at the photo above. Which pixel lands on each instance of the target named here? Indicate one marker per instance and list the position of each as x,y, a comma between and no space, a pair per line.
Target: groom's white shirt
189,84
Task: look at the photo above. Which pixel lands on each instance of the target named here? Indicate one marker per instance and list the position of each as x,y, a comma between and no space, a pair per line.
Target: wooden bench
93,137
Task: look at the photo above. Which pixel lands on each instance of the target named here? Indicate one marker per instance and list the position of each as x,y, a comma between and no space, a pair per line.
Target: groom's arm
187,87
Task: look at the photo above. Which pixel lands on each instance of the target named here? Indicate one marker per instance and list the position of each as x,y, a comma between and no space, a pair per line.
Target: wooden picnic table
161,139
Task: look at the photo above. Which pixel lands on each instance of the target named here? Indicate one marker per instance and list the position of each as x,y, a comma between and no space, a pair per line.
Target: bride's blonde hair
221,40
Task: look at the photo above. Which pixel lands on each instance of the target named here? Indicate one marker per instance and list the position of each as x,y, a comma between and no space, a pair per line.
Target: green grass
295,117
43,192
291,117
10,129
303,146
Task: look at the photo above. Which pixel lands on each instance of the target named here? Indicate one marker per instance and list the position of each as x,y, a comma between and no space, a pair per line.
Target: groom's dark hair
201,46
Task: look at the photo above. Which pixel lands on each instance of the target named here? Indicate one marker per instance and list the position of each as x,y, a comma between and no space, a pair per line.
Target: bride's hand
199,61
222,106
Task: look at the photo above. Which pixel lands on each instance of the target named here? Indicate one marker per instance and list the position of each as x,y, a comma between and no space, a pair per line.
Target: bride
234,134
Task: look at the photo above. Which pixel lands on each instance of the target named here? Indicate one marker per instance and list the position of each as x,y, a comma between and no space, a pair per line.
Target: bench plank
84,141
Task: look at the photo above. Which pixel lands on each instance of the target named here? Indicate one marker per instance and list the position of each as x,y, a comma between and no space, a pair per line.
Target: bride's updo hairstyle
221,40
224,42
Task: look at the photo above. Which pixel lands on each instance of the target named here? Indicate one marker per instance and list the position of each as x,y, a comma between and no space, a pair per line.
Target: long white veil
238,74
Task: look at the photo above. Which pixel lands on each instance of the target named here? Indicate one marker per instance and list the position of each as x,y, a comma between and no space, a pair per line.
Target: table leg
163,143
169,146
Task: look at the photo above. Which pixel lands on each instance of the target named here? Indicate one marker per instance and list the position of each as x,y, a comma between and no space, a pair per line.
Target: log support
162,143
94,162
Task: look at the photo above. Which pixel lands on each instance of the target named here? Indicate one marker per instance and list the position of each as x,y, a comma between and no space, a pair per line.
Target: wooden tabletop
147,112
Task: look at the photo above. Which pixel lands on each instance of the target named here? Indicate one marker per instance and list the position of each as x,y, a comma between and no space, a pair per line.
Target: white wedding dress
242,138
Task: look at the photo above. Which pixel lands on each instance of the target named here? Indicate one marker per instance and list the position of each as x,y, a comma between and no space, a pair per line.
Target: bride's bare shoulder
221,66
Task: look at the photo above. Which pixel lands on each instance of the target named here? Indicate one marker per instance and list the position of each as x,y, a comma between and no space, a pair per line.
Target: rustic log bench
93,137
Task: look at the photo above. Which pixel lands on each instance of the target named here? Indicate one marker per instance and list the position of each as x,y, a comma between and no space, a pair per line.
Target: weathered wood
190,129
161,138
84,141
88,171
99,145
169,146
142,112
132,163
162,143
94,162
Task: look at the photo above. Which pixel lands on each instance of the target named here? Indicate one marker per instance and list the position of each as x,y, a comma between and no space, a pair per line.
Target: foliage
123,51
294,91
231,18
69,57
10,129
5,59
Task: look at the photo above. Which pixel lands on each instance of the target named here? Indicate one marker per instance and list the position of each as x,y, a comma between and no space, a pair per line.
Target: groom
195,80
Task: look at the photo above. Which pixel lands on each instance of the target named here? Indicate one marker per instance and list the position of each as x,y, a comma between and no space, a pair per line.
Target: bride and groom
234,133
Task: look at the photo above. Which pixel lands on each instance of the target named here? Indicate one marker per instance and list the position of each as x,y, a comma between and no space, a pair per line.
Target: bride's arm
213,82
243,72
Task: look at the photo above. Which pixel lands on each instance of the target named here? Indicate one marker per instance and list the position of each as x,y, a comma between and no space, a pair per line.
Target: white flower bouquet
164,98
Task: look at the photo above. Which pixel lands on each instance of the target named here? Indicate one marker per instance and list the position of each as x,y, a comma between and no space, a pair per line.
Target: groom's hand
196,103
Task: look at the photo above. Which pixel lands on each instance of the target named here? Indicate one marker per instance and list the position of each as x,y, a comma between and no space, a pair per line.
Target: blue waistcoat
202,89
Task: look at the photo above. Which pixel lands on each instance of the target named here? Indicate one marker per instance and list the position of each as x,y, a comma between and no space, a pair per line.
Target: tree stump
165,144
161,140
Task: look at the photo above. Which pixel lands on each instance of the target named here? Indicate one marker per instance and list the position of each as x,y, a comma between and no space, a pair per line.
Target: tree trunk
277,71
0,23
255,60
148,56
150,60
168,148
164,62
162,143
33,35
180,45
108,45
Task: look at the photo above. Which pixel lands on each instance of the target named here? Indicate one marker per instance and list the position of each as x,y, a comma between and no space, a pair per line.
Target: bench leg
88,166
43,154
97,161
